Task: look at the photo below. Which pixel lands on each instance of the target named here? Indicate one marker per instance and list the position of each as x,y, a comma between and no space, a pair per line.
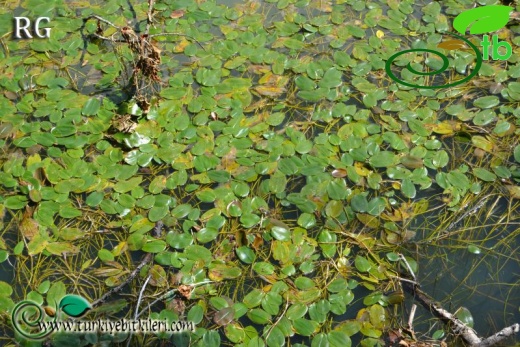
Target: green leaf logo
74,305
483,19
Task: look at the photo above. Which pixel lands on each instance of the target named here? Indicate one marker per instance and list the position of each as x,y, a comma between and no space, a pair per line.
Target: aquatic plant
252,168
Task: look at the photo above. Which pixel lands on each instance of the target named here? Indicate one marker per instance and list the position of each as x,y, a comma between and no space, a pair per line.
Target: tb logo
479,20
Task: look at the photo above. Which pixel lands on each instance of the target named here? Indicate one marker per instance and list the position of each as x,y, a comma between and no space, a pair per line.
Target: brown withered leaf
224,316
177,305
412,162
257,242
452,44
228,159
339,173
177,14
185,290
28,226
49,311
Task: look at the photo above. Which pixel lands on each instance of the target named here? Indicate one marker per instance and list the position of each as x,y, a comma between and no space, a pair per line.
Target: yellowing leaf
59,248
514,191
482,143
37,244
179,48
269,91
445,128
368,220
28,228
361,170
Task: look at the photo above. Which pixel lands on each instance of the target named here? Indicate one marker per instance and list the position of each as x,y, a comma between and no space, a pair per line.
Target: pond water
485,281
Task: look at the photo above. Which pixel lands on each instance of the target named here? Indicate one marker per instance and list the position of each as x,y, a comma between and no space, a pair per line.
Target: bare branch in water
149,19
468,334
102,20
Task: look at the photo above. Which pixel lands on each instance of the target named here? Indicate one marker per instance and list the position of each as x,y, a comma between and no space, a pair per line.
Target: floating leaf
408,188
362,264
484,174
359,203
154,246
465,316
383,159
516,153
246,254
452,44
16,202
305,327
259,316
473,249
224,316
276,337
487,101
91,107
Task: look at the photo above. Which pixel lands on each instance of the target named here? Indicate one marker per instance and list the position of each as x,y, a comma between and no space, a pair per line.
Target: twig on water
402,257
468,334
168,295
137,306
149,19
468,213
132,275
102,20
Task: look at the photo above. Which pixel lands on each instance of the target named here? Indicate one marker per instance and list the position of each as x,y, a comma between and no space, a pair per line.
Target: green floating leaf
91,107
483,19
408,188
276,338
196,314
304,327
516,153
376,206
339,339
465,316
473,249
154,246
246,254
94,198
297,310
359,203
105,255
157,213
438,334
74,305
487,101
15,202
211,338
484,174
219,176
263,268
304,283
392,256
383,159
259,316
362,264
281,233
